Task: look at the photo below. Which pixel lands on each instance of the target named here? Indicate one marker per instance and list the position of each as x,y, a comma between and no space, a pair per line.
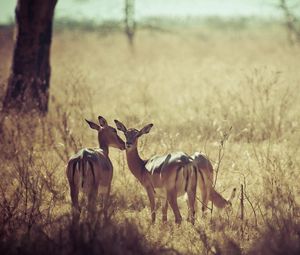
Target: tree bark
129,21
28,84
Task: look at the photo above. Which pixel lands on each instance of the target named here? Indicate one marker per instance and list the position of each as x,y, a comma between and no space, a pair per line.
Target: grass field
197,85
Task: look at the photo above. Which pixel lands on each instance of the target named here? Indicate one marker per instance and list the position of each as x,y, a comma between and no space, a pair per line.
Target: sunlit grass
193,86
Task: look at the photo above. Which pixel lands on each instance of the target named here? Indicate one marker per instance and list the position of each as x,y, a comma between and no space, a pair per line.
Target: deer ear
102,121
145,130
93,125
120,126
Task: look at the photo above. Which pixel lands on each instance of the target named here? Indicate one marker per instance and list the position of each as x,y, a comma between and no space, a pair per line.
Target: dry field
201,87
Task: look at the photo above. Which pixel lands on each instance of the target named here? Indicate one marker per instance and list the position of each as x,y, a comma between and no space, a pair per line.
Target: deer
90,169
172,176
206,178
168,177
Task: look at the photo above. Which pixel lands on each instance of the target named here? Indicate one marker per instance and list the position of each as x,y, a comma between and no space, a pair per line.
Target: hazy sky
99,10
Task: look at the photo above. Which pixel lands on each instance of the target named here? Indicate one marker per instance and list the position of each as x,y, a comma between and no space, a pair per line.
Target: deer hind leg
203,185
172,198
165,210
191,193
204,197
74,191
73,178
106,201
191,207
150,193
92,198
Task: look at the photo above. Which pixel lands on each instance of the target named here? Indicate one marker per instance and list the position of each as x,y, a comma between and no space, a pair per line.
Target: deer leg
150,193
191,205
191,194
204,192
72,175
92,197
106,200
74,191
205,200
172,198
165,210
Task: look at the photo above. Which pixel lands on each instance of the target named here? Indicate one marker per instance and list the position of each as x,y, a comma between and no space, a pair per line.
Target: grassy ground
194,85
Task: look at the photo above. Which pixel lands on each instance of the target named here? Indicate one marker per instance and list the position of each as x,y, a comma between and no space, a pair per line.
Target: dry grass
193,85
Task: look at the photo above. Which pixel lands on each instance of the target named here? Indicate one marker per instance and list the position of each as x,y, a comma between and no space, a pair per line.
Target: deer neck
103,145
135,163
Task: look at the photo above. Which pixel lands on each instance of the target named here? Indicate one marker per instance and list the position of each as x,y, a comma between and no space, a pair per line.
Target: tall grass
194,85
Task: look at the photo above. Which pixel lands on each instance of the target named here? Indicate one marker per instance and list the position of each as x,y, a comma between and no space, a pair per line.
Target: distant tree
291,21
28,84
130,24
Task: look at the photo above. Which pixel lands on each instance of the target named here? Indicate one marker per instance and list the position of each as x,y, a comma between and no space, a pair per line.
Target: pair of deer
171,176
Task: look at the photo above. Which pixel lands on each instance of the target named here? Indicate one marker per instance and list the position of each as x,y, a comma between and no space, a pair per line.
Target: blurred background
217,76
100,10
97,11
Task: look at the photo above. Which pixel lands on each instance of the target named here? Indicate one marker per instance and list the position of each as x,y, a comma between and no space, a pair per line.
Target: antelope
208,192
172,175
90,170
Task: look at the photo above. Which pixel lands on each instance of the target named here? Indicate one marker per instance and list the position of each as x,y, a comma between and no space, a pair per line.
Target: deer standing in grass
172,175
91,170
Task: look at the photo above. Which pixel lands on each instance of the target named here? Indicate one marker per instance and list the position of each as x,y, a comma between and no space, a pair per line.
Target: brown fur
173,174
208,192
91,169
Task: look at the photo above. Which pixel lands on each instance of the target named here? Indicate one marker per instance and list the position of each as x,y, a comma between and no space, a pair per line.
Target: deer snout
128,145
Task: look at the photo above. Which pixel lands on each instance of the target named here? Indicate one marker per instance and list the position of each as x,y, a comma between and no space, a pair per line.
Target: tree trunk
129,21
28,84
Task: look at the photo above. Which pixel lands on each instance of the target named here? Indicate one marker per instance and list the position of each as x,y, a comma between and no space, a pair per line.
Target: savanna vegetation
225,88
